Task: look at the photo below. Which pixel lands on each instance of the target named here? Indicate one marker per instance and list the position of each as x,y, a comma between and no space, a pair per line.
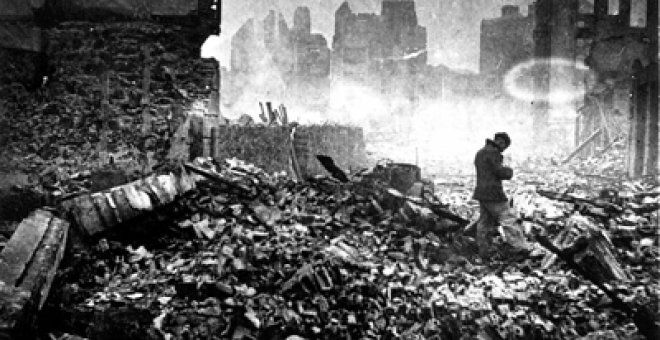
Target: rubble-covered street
178,170
264,257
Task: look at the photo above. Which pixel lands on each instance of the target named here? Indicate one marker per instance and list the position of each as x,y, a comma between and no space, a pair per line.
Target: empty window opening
638,13
613,8
586,7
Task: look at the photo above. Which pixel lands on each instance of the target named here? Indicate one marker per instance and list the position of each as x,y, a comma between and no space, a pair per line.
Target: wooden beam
214,142
605,124
582,145
651,135
40,274
95,213
638,130
26,283
653,153
295,165
18,251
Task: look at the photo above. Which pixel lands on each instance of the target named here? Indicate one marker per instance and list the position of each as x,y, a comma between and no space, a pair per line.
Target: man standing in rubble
493,203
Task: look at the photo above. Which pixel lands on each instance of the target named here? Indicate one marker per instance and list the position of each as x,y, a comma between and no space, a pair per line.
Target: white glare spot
569,80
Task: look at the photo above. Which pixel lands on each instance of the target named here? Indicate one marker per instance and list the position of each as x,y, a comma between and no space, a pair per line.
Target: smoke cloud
440,132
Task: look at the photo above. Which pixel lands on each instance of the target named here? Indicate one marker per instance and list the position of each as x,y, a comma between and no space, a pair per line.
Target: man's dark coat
490,173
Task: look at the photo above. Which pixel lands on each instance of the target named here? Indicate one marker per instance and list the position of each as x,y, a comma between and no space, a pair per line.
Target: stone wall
268,147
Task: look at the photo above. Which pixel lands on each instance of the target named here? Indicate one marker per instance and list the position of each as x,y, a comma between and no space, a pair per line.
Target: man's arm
502,172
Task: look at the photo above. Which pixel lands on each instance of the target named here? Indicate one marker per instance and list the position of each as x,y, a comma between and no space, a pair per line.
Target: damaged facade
293,51
385,51
506,41
311,56
617,41
130,241
271,56
378,47
611,42
621,44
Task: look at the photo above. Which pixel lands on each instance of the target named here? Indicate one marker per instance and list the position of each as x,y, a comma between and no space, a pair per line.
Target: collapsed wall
269,147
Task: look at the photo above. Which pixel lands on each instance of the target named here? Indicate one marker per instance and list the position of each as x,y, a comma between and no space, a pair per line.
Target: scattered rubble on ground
116,93
252,255
263,257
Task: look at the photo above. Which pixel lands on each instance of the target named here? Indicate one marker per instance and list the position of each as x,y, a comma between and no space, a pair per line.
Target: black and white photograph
329,169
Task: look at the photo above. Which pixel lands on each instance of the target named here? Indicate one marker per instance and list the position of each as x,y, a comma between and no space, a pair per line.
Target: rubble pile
115,90
263,257
610,163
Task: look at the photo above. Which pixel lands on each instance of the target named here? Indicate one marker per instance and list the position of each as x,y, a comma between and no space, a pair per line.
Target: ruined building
271,61
616,40
271,44
506,41
257,44
619,45
311,55
385,51
357,45
382,50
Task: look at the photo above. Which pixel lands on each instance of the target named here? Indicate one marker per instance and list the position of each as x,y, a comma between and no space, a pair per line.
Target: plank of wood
20,248
582,146
41,271
96,212
86,215
600,259
295,165
214,140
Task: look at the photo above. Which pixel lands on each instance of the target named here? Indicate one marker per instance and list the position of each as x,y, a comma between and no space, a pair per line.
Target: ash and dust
427,80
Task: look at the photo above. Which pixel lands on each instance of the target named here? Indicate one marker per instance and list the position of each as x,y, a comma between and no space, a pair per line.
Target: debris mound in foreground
253,256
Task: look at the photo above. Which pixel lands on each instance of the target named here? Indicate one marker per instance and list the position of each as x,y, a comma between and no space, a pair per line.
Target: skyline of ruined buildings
371,46
367,45
616,40
380,50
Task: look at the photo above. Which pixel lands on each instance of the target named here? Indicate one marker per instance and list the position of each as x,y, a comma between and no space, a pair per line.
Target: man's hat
504,136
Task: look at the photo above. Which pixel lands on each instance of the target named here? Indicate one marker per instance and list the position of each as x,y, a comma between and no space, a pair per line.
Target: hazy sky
452,25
